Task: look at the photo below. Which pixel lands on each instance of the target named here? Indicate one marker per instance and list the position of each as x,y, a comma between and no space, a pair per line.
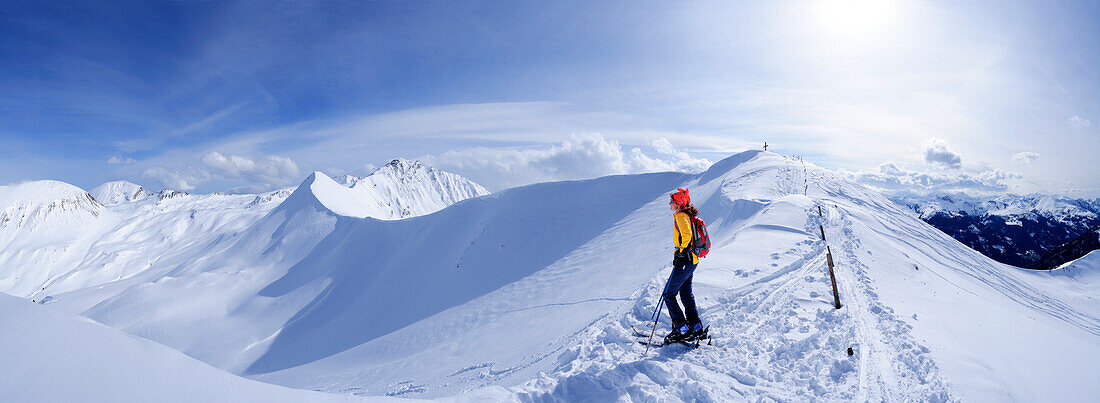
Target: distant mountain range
56,237
1032,231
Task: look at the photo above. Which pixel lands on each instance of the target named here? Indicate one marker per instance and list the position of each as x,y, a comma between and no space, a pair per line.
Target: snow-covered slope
531,292
118,192
57,357
1080,279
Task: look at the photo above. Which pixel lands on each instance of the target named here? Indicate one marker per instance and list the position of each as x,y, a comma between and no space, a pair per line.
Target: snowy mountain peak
404,169
38,192
115,192
39,201
400,189
404,165
413,188
44,206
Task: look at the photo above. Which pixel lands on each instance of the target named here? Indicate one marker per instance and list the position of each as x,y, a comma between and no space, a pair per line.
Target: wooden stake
829,258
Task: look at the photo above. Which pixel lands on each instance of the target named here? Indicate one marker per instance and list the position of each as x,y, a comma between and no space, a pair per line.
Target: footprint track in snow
770,343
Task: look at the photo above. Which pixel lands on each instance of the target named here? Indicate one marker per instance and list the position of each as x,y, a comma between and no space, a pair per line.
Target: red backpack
700,241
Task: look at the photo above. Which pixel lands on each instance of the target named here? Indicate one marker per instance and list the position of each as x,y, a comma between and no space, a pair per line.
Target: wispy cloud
116,160
1025,157
1078,122
158,139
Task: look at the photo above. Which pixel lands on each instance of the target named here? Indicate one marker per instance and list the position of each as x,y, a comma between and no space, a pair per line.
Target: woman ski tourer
686,325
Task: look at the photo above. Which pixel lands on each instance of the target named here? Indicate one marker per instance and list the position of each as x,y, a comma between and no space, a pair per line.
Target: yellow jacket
681,234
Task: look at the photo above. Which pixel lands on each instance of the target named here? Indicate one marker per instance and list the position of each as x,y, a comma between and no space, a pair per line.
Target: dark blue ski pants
680,283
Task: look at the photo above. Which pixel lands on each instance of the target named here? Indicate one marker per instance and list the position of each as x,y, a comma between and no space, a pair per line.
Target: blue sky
245,96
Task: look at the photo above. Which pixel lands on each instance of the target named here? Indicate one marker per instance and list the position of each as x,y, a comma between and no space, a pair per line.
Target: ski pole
657,311
662,301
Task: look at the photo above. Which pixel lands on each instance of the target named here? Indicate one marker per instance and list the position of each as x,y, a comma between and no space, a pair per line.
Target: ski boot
678,335
698,332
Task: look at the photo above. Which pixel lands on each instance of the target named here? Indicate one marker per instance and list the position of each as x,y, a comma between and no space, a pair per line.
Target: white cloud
256,173
268,169
936,152
1025,157
1078,122
895,177
119,160
580,157
663,146
682,160
891,169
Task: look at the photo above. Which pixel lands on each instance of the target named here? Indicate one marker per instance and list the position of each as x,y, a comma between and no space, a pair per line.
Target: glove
681,255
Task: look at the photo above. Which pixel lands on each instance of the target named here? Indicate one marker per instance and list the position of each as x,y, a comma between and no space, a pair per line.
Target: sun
854,18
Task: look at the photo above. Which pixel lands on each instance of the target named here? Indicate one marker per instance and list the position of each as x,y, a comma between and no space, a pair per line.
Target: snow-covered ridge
318,190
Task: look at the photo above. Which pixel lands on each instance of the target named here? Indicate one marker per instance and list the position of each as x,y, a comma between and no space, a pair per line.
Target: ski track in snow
905,368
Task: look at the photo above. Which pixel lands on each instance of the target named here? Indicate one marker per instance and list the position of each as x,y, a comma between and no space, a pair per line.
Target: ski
693,343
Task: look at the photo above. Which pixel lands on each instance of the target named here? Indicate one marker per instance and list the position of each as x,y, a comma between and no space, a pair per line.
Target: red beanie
681,197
